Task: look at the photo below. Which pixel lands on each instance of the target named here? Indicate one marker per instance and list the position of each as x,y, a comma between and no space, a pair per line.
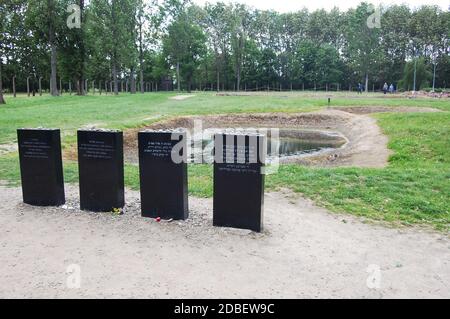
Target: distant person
391,89
360,88
385,88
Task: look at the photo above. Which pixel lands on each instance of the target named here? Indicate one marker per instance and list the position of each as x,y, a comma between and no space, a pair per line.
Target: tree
305,63
423,75
45,20
229,46
328,65
363,49
2,99
51,7
140,20
216,25
112,26
239,37
2,41
394,42
184,46
72,61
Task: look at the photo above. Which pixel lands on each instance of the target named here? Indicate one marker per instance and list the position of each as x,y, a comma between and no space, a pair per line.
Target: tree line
135,45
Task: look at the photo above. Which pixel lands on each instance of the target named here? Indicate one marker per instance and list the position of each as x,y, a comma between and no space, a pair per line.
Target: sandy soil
304,252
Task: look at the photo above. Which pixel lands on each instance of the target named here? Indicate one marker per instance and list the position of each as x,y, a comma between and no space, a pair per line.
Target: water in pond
287,146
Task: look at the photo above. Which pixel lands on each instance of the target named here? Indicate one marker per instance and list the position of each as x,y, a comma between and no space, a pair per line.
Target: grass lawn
413,189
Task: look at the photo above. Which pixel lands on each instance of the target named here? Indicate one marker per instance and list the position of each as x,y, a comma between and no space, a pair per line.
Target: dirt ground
304,252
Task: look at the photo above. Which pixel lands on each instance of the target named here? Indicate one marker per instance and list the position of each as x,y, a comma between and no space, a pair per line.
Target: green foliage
223,46
423,75
184,46
317,64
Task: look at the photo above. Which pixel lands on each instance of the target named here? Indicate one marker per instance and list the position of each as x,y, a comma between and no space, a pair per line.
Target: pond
292,143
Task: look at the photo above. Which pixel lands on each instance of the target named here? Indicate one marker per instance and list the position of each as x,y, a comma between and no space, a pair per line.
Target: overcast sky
295,5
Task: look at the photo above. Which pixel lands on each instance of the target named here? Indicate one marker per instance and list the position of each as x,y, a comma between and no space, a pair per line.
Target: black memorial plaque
100,162
239,180
163,174
41,167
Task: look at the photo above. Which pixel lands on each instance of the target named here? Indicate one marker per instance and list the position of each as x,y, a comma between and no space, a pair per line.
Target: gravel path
304,252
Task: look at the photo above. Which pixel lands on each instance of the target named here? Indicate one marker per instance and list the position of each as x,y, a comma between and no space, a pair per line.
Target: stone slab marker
239,180
163,177
100,162
41,167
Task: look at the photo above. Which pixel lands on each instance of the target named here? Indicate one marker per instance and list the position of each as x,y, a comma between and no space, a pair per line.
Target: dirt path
304,252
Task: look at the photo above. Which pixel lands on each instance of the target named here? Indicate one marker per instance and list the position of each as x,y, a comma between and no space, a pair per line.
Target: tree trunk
239,61
133,82
238,82
141,56
40,86
367,83
218,80
60,86
28,86
178,77
114,26
115,80
70,87
14,85
33,89
189,85
52,42
82,47
2,99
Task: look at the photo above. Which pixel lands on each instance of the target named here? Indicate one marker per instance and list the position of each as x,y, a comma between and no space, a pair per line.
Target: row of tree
218,46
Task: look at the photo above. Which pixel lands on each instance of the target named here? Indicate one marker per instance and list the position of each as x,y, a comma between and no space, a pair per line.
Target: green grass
413,189
125,111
